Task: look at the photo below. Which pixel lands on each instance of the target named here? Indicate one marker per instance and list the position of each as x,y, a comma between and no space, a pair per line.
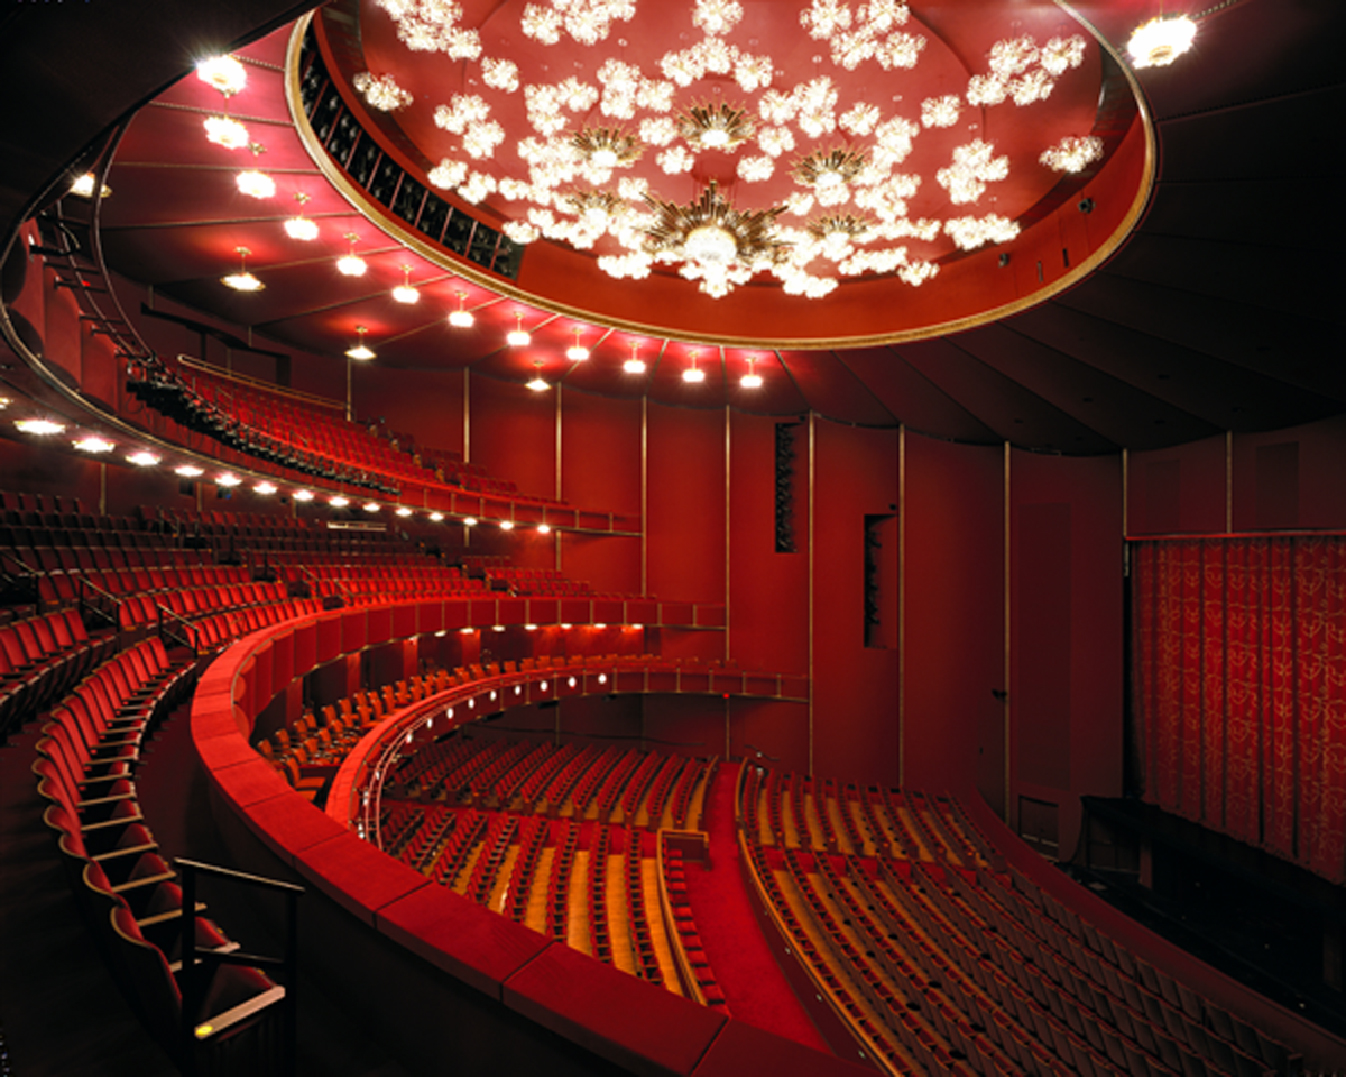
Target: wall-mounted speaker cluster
785,487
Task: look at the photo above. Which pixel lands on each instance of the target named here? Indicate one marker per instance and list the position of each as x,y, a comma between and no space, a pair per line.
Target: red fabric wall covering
1239,688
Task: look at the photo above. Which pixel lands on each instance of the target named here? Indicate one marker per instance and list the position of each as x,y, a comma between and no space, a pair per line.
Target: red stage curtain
1239,689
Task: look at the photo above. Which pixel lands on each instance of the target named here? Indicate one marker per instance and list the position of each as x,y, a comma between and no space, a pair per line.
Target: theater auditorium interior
701,537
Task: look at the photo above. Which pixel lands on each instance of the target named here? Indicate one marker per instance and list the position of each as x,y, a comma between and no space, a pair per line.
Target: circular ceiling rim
382,219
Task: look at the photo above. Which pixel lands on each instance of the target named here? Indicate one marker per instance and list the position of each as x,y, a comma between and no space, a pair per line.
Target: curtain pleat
1239,689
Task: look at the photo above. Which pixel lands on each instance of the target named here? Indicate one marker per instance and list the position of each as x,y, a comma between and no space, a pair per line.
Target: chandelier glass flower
640,155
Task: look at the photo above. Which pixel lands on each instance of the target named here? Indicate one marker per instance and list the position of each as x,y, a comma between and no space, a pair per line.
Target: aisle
755,987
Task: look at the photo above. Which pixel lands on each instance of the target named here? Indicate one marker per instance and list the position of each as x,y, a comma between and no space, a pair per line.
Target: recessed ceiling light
506,525
266,489
361,351
223,72
405,292
339,502
228,479
94,444
404,510
42,427
227,132
242,281
256,184
351,264
436,516
303,495
543,529
469,521
518,337
143,458
460,318
371,506
188,471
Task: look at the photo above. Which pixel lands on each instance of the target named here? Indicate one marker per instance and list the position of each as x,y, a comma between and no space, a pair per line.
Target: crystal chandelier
1073,154
381,91
614,141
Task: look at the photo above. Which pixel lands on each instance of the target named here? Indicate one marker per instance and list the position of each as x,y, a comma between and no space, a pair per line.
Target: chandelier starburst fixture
715,126
242,281
577,352
1160,41
351,264
635,364
1073,154
518,337
716,244
606,148
615,139
381,91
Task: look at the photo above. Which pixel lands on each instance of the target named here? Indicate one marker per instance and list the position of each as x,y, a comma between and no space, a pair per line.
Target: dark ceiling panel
1302,285
833,389
1013,412
1298,352
1253,139
913,398
1116,410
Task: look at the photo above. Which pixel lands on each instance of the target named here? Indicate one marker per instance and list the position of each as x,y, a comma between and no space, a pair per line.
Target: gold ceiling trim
395,230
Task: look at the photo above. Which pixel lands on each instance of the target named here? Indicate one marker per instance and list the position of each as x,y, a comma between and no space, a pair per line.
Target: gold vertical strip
1126,493
813,475
1229,482
902,604
644,493
1005,721
467,416
102,490
728,538
556,534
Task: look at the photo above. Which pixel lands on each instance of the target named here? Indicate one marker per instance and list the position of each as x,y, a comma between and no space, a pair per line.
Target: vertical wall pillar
1007,704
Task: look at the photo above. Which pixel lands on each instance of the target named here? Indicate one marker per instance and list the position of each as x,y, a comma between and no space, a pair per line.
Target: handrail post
188,986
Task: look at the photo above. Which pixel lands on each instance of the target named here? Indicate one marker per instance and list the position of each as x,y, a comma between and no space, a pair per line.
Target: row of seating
794,811
306,442
87,753
41,658
996,979
685,938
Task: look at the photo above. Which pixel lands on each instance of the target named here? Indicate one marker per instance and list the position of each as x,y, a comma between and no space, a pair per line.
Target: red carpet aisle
753,983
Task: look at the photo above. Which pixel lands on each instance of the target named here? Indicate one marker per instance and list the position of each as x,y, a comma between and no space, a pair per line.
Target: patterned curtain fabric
1239,689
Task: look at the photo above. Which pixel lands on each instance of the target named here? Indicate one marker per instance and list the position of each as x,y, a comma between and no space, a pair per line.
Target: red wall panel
686,504
1178,490
1291,478
513,434
1066,592
855,688
954,580
600,452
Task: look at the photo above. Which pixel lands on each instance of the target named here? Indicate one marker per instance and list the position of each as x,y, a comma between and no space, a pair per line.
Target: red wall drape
1239,688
